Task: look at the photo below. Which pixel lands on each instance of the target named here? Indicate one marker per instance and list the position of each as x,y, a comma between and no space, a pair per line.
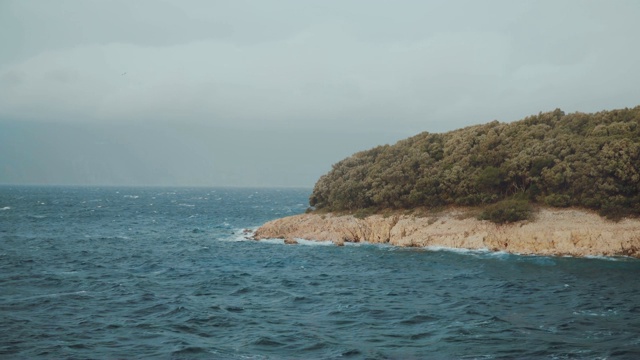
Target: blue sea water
166,273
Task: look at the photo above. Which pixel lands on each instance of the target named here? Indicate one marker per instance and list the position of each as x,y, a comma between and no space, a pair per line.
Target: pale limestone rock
553,232
290,241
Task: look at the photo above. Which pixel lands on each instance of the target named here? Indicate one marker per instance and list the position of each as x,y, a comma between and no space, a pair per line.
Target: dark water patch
234,309
418,319
241,291
189,351
267,342
351,353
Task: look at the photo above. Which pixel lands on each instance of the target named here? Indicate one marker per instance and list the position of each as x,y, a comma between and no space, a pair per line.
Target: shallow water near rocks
167,273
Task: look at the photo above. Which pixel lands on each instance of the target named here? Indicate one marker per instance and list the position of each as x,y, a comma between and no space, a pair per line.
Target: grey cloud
358,67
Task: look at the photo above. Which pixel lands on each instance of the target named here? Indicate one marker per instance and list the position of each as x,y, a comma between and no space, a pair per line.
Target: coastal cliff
573,232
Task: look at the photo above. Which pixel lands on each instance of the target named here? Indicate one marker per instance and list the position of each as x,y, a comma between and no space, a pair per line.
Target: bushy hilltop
553,158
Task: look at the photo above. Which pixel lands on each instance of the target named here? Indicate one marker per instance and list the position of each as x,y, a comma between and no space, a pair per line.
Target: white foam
314,242
241,234
131,196
273,241
464,250
244,235
609,312
608,258
498,253
6,208
54,295
366,243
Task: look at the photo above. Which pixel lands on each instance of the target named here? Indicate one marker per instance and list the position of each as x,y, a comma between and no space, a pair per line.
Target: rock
290,241
553,232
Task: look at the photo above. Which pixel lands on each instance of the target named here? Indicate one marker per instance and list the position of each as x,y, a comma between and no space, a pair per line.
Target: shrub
507,211
489,178
582,160
557,200
615,212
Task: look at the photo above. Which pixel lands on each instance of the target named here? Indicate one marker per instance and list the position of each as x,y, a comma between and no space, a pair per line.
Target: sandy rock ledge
553,232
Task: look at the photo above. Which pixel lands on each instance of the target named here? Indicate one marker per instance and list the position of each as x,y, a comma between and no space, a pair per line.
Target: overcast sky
271,93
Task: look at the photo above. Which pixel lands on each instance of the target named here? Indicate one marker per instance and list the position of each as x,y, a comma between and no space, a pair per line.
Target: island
549,184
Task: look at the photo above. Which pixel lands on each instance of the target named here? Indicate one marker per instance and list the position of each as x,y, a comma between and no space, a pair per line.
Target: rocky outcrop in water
553,232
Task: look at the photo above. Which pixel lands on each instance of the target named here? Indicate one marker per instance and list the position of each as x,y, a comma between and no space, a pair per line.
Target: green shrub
489,178
557,159
539,164
507,211
615,212
557,200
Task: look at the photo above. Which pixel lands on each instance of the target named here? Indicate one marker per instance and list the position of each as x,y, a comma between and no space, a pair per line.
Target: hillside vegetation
584,160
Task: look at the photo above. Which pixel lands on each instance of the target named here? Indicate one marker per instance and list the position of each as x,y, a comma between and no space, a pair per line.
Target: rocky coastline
559,232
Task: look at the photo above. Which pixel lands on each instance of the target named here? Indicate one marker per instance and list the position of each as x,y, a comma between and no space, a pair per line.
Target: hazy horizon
271,94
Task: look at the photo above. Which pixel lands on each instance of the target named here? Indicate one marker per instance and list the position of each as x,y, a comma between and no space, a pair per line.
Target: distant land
549,175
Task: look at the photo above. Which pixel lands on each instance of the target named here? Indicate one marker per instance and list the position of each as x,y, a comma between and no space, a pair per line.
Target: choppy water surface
165,273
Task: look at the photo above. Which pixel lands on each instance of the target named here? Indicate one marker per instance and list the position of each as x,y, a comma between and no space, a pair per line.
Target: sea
170,273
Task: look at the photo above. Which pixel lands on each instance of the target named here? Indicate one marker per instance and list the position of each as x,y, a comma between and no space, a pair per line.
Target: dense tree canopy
553,158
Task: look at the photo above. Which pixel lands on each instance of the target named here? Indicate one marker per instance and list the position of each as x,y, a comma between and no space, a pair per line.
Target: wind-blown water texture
163,273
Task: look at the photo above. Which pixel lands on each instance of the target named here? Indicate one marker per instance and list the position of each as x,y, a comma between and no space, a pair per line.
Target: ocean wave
53,295
239,234
273,241
608,258
314,242
458,250
106,237
299,241
6,208
608,312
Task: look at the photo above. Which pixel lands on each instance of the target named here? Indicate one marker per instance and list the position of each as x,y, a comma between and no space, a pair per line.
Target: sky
272,93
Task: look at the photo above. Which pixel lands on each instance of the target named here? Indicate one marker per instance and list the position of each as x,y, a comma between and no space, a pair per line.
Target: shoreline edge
552,232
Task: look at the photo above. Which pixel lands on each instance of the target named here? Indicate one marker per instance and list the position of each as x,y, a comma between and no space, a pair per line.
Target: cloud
323,74
364,67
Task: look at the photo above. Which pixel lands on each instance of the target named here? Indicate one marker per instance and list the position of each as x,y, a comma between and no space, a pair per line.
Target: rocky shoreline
572,232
